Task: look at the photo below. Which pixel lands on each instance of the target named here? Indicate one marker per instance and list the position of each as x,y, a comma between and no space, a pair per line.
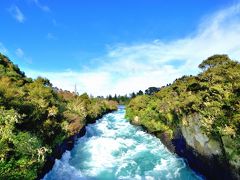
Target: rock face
203,153
197,139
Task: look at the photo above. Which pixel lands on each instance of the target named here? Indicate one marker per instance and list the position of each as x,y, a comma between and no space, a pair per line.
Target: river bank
197,117
67,145
209,166
112,148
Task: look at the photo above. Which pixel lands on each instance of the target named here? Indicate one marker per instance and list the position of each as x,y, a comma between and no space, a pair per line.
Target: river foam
112,148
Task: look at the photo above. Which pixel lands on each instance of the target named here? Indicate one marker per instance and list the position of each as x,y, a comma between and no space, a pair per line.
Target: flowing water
112,148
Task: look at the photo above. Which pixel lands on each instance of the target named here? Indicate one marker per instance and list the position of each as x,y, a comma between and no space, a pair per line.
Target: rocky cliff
198,117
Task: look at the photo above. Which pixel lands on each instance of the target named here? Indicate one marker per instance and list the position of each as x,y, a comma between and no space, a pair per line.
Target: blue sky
116,46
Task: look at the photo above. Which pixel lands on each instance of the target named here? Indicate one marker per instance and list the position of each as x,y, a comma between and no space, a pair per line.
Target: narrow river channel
112,149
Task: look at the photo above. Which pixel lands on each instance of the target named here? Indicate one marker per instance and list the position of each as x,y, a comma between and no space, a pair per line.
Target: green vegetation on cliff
213,96
35,117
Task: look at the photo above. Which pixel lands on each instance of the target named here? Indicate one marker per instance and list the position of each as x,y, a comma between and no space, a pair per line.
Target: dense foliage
35,117
124,100
214,94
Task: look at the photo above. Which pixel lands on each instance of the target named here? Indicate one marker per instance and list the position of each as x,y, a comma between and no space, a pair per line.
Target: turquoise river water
112,149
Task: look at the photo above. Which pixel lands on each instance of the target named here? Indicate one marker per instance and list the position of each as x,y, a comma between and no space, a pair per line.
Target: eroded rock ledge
203,154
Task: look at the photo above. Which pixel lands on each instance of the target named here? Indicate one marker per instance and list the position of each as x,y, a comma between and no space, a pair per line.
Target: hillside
198,115
35,117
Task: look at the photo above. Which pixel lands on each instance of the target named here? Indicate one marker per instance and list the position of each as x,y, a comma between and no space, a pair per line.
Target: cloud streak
41,6
3,50
127,68
21,54
16,13
51,36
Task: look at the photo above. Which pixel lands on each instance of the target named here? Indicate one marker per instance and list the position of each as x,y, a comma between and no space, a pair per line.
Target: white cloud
19,52
17,13
54,22
51,36
128,68
3,50
41,6
92,82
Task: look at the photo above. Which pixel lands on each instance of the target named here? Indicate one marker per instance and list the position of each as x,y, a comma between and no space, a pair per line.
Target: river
112,148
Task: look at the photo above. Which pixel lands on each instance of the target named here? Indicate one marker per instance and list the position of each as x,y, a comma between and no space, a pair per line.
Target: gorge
112,148
193,122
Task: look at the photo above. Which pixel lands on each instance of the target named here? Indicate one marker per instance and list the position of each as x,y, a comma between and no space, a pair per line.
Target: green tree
213,61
